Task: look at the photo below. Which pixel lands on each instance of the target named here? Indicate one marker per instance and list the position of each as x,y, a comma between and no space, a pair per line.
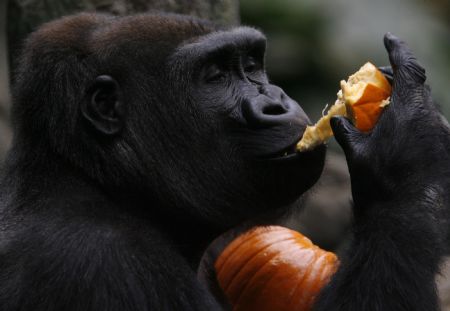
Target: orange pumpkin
273,268
361,98
365,94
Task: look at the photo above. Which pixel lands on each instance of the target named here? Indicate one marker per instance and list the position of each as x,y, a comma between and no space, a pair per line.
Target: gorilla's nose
272,108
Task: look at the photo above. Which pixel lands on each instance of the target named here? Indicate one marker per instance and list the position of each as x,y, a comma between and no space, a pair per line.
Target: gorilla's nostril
262,90
263,112
274,110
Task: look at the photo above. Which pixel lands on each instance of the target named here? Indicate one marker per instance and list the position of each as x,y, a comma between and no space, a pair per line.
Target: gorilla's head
167,109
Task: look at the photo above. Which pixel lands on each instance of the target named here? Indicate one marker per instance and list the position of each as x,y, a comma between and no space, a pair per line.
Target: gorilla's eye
250,64
253,69
214,74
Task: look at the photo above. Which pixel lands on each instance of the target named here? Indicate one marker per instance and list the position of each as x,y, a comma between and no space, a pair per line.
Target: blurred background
312,45
315,43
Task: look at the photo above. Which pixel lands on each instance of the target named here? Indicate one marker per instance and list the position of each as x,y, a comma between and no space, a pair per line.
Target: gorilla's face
183,115
235,132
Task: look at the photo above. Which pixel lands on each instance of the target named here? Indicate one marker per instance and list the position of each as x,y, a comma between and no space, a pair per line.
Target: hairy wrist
410,228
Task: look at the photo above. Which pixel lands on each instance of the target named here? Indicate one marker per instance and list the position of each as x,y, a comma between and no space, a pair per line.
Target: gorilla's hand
400,174
408,151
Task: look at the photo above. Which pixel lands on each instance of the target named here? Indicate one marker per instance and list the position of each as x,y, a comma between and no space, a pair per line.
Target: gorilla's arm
400,176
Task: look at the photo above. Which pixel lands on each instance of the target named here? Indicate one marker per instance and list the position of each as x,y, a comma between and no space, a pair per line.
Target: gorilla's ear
103,107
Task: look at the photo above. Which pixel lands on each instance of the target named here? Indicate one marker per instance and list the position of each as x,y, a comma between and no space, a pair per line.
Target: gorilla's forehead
147,36
149,30
237,38
151,27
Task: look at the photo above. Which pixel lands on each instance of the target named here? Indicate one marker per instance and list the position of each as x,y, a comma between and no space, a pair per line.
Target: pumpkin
273,268
361,98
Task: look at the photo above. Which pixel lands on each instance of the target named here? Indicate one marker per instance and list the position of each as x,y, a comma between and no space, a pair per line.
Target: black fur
137,141
140,139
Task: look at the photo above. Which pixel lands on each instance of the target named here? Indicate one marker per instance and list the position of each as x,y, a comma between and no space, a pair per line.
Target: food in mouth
361,98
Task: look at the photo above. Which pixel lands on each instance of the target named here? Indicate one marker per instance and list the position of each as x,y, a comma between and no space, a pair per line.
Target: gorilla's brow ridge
239,37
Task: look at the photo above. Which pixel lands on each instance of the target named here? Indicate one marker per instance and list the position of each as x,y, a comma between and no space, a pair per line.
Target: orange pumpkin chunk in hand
273,268
361,98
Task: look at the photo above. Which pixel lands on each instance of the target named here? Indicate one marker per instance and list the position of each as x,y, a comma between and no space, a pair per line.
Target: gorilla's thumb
346,134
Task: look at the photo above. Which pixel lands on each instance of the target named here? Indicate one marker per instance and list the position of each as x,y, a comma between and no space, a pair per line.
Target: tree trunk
5,132
4,80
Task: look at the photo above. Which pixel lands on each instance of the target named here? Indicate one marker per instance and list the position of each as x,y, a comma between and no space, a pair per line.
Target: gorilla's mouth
285,152
289,151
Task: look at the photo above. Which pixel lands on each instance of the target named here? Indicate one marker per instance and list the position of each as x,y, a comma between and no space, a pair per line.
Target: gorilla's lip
288,151
297,155
285,152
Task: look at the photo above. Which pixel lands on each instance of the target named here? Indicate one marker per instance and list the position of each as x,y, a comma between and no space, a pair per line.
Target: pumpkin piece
365,115
273,268
256,254
361,98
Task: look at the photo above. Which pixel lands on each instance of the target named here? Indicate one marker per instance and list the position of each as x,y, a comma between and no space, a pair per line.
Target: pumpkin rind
273,268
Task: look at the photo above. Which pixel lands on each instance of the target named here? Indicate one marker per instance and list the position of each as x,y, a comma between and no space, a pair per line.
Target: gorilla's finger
387,72
349,137
406,69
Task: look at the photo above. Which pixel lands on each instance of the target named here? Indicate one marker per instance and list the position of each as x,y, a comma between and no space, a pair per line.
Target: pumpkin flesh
362,98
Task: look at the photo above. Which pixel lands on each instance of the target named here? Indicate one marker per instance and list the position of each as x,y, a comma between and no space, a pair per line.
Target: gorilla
140,139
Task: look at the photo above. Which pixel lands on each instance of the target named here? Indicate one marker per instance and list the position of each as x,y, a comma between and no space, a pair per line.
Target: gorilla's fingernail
389,39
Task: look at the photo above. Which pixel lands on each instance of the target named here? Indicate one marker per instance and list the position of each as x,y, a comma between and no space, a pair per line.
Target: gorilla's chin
286,177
